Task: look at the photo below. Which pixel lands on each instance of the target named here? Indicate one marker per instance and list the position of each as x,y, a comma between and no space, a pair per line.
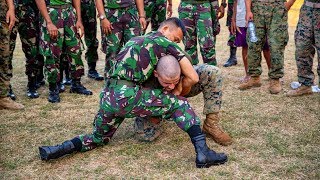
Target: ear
155,73
164,28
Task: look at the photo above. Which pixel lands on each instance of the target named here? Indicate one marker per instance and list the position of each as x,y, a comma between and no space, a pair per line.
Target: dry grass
275,137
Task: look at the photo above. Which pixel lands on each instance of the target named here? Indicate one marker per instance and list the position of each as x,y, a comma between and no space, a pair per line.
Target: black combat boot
67,81
53,93
54,152
32,89
77,87
61,86
40,78
205,156
92,73
232,61
11,95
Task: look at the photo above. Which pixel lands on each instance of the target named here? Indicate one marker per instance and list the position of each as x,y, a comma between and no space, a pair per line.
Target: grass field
275,137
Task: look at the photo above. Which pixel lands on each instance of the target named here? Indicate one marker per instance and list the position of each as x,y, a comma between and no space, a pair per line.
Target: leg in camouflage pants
210,84
155,12
28,27
197,20
125,25
119,102
67,38
5,61
232,37
89,20
307,40
271,21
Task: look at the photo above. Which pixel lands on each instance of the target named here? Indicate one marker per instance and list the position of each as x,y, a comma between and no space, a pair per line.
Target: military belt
64,6
114,82
312,4
195,2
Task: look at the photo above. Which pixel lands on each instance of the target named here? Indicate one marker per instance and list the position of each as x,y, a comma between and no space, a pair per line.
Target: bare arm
169,8
52,29
105,24
221,10
190,76
234,27
10,15
79,25
142,14
289,3
249,15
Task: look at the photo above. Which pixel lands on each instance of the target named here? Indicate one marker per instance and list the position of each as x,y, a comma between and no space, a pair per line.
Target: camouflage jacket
139,57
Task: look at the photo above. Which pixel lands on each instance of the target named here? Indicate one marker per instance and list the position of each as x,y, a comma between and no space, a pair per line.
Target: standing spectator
233,49
197,17
156,12
239,29
89,20
119,22
7,20
61,30
271,20
28,26
307,40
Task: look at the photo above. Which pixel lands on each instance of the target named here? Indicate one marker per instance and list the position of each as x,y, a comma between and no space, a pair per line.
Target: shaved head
168,67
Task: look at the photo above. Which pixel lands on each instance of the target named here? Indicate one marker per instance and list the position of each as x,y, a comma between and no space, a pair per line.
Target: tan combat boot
302,90
8,103
252,82
274,86
212,129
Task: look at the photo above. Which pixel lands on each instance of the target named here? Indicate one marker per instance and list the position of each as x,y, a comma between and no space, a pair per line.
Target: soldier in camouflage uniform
89,20
61,28
7,20
124,97
119,23
271,20
197,17
307,40
233,49
156,12
27,25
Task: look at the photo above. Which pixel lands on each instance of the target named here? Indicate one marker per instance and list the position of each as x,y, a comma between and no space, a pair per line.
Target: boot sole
97,79
207,165
43,154
254,86
88,94
54,101
230,65
221,143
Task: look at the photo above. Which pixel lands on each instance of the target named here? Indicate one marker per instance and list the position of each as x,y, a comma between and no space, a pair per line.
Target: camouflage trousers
120,101
232,37
198,22
125,25
307,41
89,20
5,61
28,26
68,41
271,21
155,12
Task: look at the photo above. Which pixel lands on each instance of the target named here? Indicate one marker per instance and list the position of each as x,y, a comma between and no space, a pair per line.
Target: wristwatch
102,17
224,4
